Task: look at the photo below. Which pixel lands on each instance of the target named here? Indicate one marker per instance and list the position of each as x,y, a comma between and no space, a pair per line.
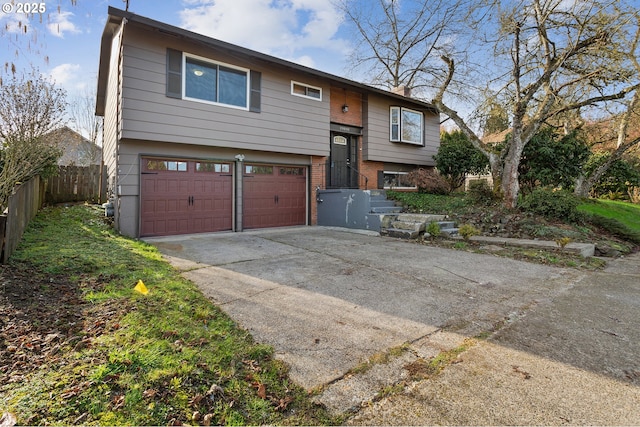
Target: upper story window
306,91
406,126
201,79
215,82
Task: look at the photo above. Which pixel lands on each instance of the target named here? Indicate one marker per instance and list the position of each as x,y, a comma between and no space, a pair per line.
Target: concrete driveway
329,300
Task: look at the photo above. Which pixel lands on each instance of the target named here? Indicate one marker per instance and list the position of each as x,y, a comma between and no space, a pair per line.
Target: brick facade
318,180
353,117
370,170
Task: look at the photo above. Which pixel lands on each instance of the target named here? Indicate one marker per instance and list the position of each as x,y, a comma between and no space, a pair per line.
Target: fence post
22,206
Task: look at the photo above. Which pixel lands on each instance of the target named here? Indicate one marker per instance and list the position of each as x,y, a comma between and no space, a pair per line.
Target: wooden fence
76,184
22,206
72,184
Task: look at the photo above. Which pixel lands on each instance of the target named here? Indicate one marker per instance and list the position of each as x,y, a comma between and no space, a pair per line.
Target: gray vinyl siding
378,147
286,123
111,120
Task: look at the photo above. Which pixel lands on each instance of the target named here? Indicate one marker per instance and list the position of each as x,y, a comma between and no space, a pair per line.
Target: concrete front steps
381,209
355,209
379,204
410,226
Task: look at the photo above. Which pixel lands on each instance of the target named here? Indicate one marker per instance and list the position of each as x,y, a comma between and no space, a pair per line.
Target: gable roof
116,17
76,149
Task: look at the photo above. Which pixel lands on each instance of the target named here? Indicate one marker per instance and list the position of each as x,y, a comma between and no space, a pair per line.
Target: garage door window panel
166,165
259,170
209,167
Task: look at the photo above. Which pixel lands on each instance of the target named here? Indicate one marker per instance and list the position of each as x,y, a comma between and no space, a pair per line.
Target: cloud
305,60
70,77
283,28
60,23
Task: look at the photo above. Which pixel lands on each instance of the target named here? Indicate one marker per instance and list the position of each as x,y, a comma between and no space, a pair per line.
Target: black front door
343,162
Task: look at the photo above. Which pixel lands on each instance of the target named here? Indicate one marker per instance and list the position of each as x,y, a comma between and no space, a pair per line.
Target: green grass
626,213
160,357
431,203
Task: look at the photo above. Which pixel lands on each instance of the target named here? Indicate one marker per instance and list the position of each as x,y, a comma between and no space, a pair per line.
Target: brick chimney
402,90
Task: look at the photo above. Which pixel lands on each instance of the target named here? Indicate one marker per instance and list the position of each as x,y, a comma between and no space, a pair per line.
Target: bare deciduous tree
84,120
563,57
399,41
624,143
544,60
30,108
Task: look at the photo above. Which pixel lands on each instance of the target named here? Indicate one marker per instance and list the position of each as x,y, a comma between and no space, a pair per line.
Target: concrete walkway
328,301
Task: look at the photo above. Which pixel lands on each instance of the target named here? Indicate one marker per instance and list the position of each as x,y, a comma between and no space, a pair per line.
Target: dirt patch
42,316
169,246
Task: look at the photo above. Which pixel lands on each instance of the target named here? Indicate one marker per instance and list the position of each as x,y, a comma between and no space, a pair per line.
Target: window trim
399,111
414,187
218,64
306,86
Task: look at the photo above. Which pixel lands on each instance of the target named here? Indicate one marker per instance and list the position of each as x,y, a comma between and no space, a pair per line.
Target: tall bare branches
30,108
23,31
564,57
542,61
400,41
84,121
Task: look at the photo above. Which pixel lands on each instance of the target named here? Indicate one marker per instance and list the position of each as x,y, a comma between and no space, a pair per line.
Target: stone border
584,249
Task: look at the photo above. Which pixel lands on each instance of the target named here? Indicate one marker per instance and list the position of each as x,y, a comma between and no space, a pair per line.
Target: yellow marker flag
140,287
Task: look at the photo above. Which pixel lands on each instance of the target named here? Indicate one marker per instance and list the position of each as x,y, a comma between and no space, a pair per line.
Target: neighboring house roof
76,149
116,16
496,138
601,135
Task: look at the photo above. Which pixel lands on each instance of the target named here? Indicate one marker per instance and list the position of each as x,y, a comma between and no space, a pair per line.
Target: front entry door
343,162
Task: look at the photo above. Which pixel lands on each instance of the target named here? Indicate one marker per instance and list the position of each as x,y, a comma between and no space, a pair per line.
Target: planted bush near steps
467,231
481,193
552,204
434,229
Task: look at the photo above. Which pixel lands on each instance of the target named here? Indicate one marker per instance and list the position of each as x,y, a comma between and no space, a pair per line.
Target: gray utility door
343,163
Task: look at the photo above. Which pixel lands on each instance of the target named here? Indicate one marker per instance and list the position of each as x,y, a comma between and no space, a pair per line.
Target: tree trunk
584,183
496,173
510,183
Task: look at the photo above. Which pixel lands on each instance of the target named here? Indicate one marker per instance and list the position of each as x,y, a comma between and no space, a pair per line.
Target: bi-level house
201,135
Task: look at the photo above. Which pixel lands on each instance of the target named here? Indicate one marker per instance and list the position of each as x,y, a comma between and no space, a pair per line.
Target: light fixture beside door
345,107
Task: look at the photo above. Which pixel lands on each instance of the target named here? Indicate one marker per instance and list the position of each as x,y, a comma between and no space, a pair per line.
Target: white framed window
306,91
215,82
406,125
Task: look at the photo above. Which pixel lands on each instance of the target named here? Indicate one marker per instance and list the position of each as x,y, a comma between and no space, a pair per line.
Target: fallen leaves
262,390
41,316
526,375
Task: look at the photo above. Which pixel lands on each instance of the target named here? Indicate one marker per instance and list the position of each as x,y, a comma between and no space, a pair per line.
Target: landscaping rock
606,250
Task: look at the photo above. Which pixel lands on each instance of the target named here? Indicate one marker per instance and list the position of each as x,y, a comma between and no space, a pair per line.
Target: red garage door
274,196
185,196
